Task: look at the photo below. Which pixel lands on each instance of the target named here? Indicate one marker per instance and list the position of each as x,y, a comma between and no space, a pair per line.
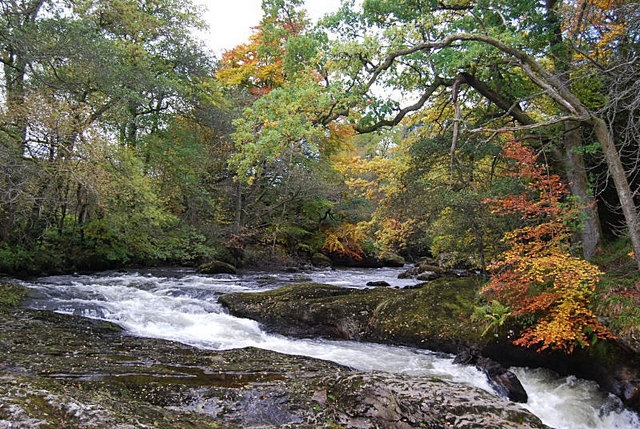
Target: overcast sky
230,21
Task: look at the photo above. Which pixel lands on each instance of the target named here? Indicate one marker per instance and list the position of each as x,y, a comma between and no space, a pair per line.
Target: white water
180,305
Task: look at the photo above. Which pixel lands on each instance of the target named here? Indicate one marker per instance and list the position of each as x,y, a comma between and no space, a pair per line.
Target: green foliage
494,315
618,294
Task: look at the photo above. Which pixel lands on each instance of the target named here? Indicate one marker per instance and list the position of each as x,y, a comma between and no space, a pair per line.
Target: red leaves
537,276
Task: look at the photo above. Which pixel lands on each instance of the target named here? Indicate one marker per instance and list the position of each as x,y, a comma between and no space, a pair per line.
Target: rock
426,276
75,372
410,273
418,269
217,267
381,283
300,279
365,262
392,260
504,382
427,260
396,402
413,317
459,272
320,260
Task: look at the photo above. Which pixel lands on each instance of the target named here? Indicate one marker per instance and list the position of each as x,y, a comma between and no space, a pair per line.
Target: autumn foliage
537,276
345,241
244,65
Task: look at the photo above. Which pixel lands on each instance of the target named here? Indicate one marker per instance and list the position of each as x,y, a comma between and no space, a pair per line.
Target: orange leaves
345,240
245,65
537,275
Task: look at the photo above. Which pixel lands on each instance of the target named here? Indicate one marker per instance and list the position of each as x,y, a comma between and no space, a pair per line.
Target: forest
495,136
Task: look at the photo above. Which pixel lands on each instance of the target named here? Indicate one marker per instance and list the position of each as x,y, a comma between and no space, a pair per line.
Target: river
181,305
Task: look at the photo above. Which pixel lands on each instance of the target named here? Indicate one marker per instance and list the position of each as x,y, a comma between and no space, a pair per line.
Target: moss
436,314
217,267
12,295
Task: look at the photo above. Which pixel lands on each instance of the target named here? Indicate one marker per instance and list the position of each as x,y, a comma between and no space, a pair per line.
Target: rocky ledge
437,315
66,371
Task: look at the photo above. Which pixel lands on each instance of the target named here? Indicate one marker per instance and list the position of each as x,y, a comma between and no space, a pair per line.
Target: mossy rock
66,371
320,260
438,315
392,260
11,294
217,267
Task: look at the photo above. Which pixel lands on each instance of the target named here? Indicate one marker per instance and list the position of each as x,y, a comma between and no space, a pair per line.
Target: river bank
182,305
67,371
437,315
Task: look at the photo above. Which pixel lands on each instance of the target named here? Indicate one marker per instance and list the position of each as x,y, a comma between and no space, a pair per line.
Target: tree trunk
237,226
603,135
591,232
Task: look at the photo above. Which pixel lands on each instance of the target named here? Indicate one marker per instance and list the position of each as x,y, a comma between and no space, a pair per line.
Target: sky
230,21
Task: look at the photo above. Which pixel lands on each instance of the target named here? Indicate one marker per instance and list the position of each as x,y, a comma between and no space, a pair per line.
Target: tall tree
418,46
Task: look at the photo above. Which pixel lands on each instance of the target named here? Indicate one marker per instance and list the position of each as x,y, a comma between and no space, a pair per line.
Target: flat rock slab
66,371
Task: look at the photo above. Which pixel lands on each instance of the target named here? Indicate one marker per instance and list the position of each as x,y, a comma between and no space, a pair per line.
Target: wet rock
380,400
217,267
381,283
504,382
436,316
426,276
410,273
66,371
419,269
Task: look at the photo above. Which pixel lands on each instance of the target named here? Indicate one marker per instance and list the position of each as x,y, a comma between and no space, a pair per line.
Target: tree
413,53
537,276
82,77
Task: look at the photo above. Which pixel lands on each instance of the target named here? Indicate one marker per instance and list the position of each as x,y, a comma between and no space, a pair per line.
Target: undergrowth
618,295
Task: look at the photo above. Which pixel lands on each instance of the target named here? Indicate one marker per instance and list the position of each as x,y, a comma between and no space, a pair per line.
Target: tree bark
603,135
237,225
591,232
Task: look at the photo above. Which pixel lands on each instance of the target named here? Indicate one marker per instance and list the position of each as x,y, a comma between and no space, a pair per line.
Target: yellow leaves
537,275
345,240
392,234
244,66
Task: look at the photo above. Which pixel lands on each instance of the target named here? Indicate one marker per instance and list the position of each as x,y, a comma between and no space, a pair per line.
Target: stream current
178,304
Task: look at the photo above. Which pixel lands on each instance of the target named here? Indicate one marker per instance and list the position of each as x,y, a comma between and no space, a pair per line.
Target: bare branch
402,113
531,126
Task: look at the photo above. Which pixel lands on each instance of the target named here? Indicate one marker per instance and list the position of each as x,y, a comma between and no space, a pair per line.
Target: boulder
436,316
381,283
217,267
426,276
503,381
383,401
419,269
392,260
320,260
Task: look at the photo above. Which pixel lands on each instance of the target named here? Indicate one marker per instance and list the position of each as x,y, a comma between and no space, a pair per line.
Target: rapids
178,304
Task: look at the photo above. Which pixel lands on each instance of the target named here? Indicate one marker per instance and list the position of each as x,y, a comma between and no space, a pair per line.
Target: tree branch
402,113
